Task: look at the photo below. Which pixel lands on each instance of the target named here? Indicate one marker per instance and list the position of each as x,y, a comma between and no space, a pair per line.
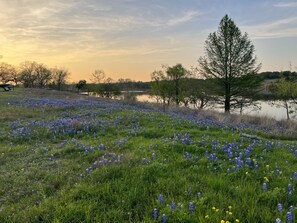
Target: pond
267,109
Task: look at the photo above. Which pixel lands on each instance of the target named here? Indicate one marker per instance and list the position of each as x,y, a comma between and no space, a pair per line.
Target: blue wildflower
289,217
278,220
264,187
279,207
173,206
191,208
155,213
164,219
161,199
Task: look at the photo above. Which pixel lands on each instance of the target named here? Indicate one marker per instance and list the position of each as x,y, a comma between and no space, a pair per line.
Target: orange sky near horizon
131,39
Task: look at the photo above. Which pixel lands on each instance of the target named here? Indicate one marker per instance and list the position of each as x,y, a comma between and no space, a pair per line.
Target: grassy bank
66,158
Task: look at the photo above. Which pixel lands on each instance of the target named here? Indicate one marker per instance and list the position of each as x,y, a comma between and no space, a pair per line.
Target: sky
133,38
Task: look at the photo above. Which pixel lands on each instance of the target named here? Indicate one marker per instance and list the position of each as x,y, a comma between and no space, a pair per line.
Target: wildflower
289,217
173,206
230,207
155,213
191,208
164,219
295,176
280,207
291,208
290,187
264,187
236,220
52,158
222,221
199,195
246,173
278,220
153,156
161,199
144,161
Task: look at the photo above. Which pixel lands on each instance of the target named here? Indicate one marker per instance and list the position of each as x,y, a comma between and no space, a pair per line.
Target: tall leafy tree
229,59
176,74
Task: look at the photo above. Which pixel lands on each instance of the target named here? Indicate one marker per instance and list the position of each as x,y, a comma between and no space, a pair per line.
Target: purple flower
191,208
161,199
164,219
264,187
279,207
173,206
295,176
289,217
144,161
155,213
153,156
290,187
278,220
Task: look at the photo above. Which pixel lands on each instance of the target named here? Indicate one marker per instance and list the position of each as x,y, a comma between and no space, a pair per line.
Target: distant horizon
131,39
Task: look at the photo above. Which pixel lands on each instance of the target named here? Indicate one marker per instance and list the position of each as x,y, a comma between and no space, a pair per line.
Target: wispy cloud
280,28
186,17
286,5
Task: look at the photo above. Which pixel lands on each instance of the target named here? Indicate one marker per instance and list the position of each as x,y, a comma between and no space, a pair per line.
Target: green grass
37,188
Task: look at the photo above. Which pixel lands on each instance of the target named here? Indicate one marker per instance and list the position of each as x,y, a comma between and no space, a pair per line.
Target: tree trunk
287,110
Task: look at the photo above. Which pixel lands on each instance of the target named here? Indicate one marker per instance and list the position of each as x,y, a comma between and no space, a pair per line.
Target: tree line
32,74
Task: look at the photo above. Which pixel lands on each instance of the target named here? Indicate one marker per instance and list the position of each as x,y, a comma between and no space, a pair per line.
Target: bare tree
43,75
6,72
59,76
28,73
98,76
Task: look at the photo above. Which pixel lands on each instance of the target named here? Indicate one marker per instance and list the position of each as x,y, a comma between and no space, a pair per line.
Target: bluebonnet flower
264,187
153,156
277,172
173,206
279,207
155,213
199,195
295,153
290,187
289,217
164,219
191,208
52,158
295,176
291,208
278,220
161,199
144,161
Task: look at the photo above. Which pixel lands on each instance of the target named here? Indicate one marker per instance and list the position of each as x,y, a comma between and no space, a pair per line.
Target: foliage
286,93
81,85
229,58
70,160
175,75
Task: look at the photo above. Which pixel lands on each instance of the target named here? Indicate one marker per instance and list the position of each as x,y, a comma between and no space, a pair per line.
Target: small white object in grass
8,103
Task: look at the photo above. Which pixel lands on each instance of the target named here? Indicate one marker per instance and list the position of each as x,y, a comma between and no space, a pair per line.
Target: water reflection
267,109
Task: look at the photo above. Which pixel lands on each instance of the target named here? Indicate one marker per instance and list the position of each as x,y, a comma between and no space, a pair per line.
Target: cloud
280,28
188,16
286,5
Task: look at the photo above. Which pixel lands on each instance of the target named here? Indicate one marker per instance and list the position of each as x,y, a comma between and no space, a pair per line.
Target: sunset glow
132,38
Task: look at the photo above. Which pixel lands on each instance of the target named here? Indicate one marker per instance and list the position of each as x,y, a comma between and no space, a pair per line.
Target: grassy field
66,158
